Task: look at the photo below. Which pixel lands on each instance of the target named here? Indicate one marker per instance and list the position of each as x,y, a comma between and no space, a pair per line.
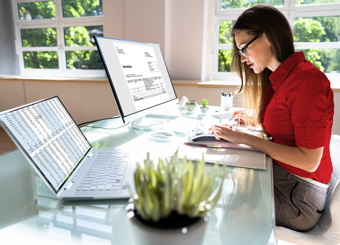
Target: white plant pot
191,107
204,109
147,235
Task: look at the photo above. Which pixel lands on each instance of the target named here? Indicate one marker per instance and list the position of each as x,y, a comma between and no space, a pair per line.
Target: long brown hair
254,21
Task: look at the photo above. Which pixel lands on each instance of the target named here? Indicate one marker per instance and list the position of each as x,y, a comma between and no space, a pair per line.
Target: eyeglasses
241,51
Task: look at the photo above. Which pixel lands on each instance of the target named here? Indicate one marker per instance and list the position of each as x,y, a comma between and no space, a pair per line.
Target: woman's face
258,52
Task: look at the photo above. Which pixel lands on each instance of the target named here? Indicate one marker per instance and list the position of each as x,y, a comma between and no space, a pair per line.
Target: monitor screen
138,76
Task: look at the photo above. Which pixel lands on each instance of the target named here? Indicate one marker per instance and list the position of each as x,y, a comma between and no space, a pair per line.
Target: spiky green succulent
176,185
204,102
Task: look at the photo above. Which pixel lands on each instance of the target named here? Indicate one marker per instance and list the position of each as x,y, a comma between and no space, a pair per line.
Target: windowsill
190,83
56,79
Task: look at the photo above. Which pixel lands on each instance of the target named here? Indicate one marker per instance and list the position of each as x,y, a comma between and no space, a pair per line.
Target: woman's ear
266,39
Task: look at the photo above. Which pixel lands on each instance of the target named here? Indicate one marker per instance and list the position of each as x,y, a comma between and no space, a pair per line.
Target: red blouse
298,111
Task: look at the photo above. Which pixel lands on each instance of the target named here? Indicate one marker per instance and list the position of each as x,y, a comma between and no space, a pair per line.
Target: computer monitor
138,76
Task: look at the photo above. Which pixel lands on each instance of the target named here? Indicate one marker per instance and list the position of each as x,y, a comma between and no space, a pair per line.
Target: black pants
299,204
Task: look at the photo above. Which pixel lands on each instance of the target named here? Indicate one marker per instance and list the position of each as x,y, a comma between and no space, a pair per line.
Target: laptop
60,153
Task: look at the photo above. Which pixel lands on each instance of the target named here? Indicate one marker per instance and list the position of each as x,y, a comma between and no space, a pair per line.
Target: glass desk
29,213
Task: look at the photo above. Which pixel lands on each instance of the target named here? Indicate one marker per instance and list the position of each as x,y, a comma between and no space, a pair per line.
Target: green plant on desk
204,108
175,187
191,102
204,102
191,105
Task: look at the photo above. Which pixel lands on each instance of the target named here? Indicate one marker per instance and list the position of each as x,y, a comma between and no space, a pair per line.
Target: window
315,23
56,38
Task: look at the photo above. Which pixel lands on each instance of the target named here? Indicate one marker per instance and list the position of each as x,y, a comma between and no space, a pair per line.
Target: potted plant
191,105
204,108
175,196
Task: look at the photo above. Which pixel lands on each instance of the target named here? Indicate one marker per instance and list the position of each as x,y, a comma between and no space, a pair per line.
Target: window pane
88,59
327,60
317,29
36,10
41,60
299,2
81,8
82,35
45,37
224,60
230,4
225,27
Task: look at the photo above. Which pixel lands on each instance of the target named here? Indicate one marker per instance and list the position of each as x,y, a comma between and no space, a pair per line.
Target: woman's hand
229,133
299,157
238,116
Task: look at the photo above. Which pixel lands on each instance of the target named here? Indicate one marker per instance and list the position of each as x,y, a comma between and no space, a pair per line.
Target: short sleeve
308,106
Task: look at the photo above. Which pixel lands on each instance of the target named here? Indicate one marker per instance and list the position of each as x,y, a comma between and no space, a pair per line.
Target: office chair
327,230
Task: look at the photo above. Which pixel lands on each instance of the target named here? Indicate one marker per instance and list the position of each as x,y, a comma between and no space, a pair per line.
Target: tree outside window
319,29
40,46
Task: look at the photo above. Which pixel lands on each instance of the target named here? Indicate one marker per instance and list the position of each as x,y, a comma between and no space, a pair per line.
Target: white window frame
59,23
291,11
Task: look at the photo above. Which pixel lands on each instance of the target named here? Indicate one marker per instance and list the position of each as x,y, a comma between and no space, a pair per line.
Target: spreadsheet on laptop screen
50,137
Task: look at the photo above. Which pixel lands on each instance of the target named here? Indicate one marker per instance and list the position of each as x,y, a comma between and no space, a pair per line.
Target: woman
293,103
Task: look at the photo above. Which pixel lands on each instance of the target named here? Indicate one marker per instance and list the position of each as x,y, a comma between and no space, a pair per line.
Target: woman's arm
298,157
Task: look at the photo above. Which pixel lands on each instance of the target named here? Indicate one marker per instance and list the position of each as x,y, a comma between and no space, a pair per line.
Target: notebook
60,153
201,140
202,135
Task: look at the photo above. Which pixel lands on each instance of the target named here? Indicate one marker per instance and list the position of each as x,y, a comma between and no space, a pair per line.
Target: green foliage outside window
82,36
45,37
300,2
36,10
311,29
320,29
76,36
232,4
80,8
225,27
88,59
224,55
224,60
41,60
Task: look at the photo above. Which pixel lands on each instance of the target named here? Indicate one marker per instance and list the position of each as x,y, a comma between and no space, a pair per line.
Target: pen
202,145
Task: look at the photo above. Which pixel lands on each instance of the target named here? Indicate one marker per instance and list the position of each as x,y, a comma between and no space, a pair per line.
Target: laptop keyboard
106,172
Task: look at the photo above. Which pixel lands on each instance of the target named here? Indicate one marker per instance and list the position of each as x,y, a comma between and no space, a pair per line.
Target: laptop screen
46,132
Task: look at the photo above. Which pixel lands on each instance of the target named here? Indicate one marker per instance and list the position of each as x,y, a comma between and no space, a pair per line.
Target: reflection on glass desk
31,215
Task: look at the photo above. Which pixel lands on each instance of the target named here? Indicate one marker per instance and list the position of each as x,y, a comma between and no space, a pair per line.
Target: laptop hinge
90,154
69,185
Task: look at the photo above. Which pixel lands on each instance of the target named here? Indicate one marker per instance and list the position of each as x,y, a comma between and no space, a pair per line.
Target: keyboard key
108,186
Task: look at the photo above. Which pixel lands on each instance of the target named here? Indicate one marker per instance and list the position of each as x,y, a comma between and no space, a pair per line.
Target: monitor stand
147,123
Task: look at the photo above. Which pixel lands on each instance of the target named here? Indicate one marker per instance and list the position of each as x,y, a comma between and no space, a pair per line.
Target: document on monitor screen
142,73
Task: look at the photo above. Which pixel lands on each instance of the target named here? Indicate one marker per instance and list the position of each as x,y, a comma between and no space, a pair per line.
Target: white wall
8,58
177,25
85,101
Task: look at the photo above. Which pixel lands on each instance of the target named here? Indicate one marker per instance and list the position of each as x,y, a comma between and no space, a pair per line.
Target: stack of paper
181,125
232,157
